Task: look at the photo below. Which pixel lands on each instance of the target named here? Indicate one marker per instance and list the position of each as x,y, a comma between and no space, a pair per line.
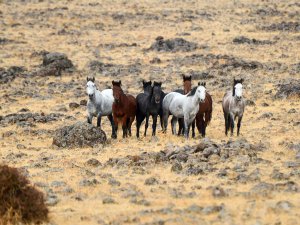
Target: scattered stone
108,200
93,162
151,181
262,188
155,60
266,115
289,89
7,76
176,167
79,134
283,26
88,182
284,206
114,182
218,192
83,102
172,45
73,105
245,40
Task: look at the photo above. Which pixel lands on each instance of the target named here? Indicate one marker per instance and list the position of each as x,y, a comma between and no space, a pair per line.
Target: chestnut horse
204,114
123,109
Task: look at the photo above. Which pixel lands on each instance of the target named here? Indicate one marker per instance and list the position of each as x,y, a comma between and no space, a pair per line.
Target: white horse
99,104
233,106
183,106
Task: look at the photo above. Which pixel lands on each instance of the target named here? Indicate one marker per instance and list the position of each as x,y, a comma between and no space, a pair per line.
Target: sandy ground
33,26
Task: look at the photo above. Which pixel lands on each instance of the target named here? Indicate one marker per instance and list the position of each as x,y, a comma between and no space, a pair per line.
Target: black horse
148,103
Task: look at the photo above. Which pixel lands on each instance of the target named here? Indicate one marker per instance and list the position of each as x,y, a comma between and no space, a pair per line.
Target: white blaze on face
90,88
201,92
238,90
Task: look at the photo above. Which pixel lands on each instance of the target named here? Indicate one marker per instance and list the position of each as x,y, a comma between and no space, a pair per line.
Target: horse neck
123,98
187,87
194,99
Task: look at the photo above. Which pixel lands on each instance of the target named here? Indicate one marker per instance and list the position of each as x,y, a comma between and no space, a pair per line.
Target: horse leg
207,117
131,119
193,128
181,125
90,118
113,134
154,118
146,124
226,123
116,123
186,128
165,120
239,125
139,120
124,126
173,123
231,117
99,120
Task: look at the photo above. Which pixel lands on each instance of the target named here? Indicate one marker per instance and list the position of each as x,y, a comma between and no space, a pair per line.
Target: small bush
19,201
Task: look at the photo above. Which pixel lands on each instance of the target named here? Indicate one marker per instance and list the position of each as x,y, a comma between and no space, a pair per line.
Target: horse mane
193,91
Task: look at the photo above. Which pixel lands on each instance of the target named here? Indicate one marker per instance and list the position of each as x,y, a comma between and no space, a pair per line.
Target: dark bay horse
148,103
123,108
204,115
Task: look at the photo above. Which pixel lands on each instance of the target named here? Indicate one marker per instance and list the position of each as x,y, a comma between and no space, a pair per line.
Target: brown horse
123,109
204,114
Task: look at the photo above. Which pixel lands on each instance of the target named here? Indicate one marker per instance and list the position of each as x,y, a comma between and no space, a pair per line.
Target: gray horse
99,104
183,106
233,106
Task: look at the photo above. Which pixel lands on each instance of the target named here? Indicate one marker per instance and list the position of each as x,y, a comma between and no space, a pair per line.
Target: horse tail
209,112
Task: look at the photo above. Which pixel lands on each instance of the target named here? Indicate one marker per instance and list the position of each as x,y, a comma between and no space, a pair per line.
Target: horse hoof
113,136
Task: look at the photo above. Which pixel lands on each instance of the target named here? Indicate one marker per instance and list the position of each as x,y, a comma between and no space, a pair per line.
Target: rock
88,182
266,115
288,89
218,192
83,102
172,45
212,209
80,134
155,60
285,206
113,182
262,187
245,40
151,181
108,200
93,162
283,26
140,202
58,60
250,102
52,200
73,105
292,164
292,111
58,184
277,175
10,74
176,167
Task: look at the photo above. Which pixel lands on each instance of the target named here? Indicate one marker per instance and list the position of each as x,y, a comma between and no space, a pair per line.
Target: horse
148,103
183,106
147,86
99,104
233,106
187,87
123,108
204,115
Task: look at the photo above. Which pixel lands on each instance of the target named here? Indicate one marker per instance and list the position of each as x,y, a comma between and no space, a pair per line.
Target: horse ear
144,82
199,83
204,84
113,82
120,82
93,79
87,79
159,83
242,80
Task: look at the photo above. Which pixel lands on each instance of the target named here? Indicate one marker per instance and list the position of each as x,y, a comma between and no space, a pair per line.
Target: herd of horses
188,106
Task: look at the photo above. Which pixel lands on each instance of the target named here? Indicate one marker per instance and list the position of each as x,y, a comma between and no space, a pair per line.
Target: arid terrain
250,179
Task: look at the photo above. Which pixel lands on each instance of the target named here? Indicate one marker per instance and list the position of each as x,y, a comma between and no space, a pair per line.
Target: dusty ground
119,32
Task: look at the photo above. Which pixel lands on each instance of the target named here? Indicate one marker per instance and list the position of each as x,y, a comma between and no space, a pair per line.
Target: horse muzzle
239,98
117,100
91,96
202,100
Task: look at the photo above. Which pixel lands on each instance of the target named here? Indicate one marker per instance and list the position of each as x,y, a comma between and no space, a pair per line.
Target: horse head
238,89
201,91
187,83
117,90
91,87
156,94
147,86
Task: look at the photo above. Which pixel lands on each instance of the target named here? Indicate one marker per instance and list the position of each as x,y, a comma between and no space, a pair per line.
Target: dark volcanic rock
10,74
93,162
262,188
151,181
73,105
79,134
283,26
289,89
30,117
172,45
245,40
